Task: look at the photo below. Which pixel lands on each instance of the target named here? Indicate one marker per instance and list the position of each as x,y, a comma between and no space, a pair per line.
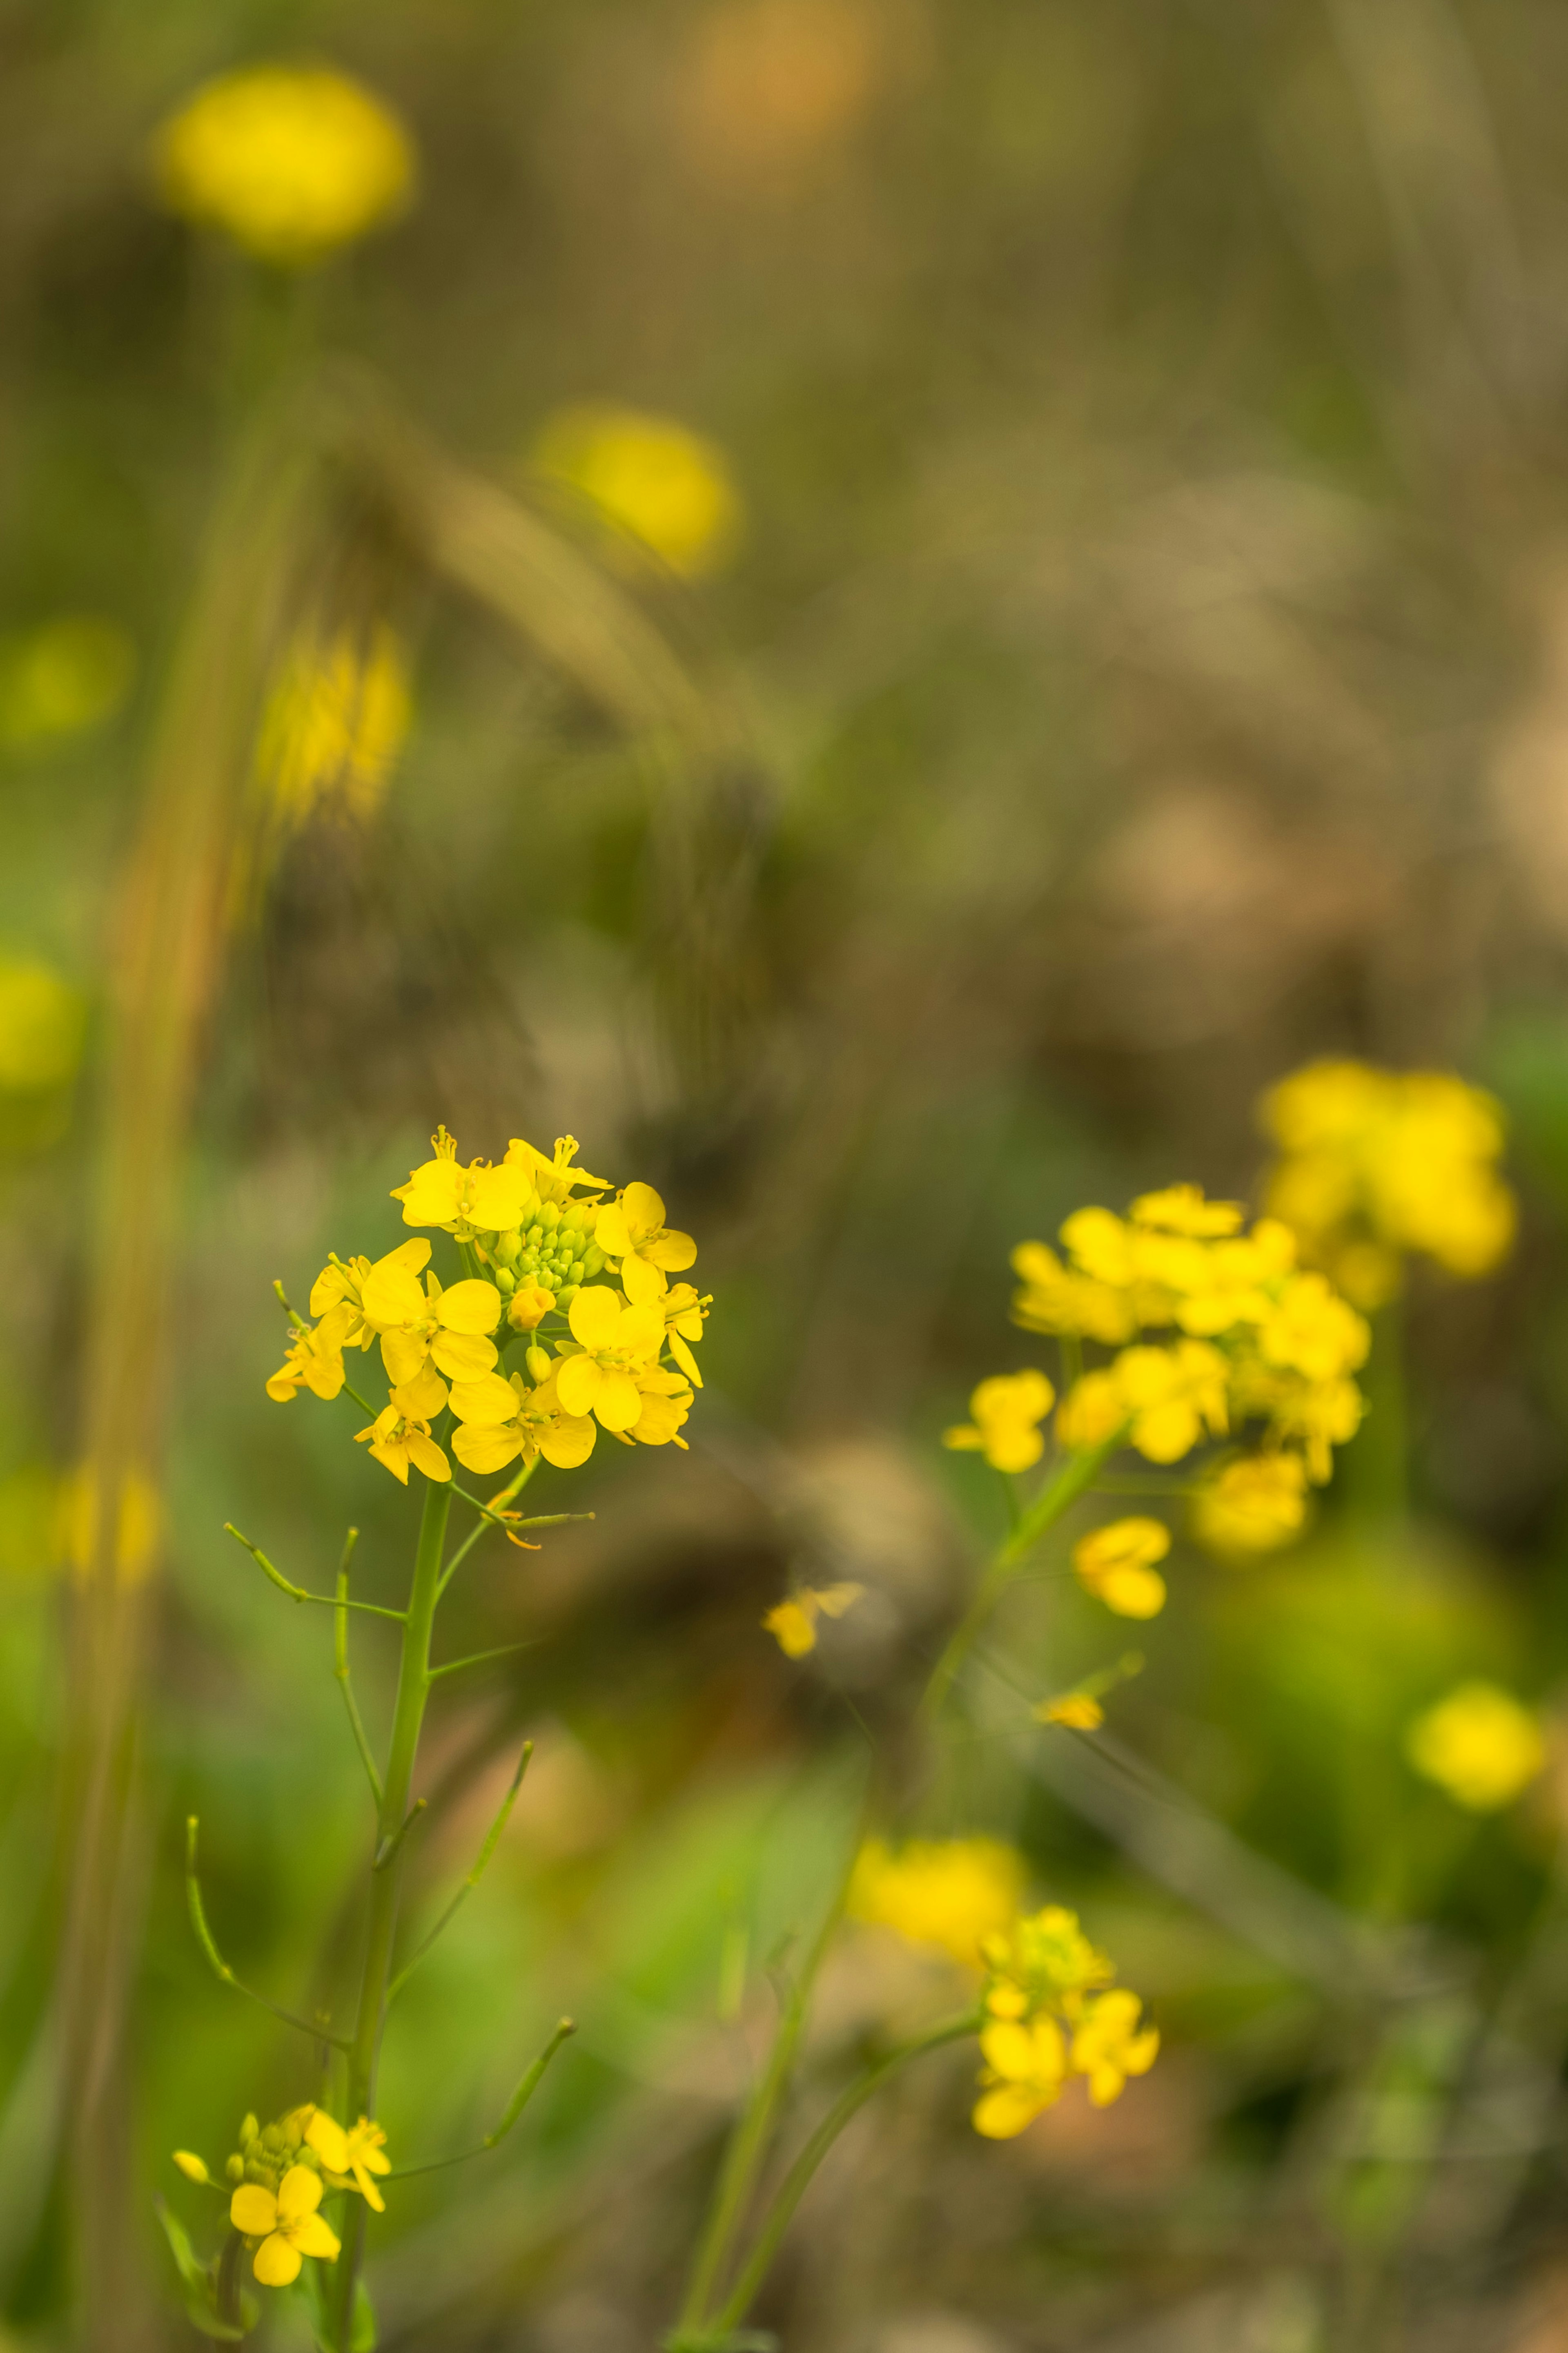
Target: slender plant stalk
393,1817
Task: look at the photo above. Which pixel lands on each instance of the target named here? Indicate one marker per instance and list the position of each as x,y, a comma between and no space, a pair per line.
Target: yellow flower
953,1892
1237,1281
400,1442
1107,2046
1026,2067
500,1420
64,678
1042,1958
286,2222
665,1402
477,1199
613,1345
1092,1412
42,1020
1312,1331
1325,1416
793,1622
555,1179
1115,1563
1480,1745
1054,1298
313,1360
1006,1410
1079,1710
431,1327
1254,1505
354,2155
684,1315
293,161
642,1249
668,487
1181,1209
334,724
1174,1397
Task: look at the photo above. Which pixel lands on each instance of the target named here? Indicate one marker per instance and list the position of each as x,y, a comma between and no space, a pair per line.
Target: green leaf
361,2337
195,2274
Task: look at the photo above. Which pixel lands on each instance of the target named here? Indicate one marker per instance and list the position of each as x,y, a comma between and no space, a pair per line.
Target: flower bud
538,1364
248,2128
235,2166
566,1294
191,2165
505,1247
592,1262
506,1281
550,1217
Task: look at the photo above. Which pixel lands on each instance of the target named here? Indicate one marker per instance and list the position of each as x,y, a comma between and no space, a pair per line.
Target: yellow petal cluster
792,1621
1253,1505
291,161
957,1893
1006,1413
666,486
1376,1163
333,726
1116,1564
279,2174
1480,1744
1052,2014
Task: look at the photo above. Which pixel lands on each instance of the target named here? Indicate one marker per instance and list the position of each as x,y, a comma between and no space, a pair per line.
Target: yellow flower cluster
1253,1338
1052,2014
1375,1164
539,1249
1006,1413
956,1894
291,161
1480,1745
663,484
281,2173
333,726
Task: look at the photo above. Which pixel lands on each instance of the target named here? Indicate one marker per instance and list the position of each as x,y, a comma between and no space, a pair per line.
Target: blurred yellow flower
1079,1711
1115,1563
668,487
1043,1957
1378,1163
139,1524
1107,2046
1480,1745
1256,1504
1007,1409
1025,2068
291,161
1309,1330
43,1021
349,2156
63,678
1092,1412
192,2167
1174,1396
793,1622
334,722
286,2222
953,1892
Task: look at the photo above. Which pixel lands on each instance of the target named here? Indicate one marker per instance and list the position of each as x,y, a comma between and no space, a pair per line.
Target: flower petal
641,1282
1004,2114
569,1443
486,1399
612,1233
392,1295
577,1378
463,1354
671,1251
640,1333
471,1306
485,1450
253,2211
315,2236
426,1456
278,2262
595,1316
300,2192
328,2138
497,1198
617,1401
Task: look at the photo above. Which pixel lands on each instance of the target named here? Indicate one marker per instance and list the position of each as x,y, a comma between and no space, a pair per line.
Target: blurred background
1096,638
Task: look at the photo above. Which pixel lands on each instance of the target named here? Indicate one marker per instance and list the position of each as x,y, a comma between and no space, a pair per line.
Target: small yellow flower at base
1253,1506
1079,1711
643,1249
1006,1410
293,161
1107,2046
614,1343
286,2222
351,2154
400,1444
1025,2069
1115,1563
192,2167
667,486
957,1893
793,1622
1480,1745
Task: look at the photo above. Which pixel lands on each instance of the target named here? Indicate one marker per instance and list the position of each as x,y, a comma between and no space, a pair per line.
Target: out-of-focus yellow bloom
1312,1331
42,1023
334,724
1025,2068
1007,1409
313,1360
1092,1412
1378,1163
401,1441
1108,2045
1256,1504
351,2156
1079,1711
287,2224
1116,1565
957,1893
1174,1396
1183,1209
1045,1957
291,161
793,1622
642,1250
667,486
1480,1744
191,2165
139,1524
613,1345
500,1420
63,679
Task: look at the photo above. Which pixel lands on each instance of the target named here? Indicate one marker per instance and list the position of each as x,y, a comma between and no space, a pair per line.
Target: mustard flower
665,485
313,1359
1183,1209
287,2224
792,1621
1480,1745
641,1247
1115,1563
1057,1298
1174,1397
334,724
417,1327
1079,1710
1042,1958
401,1442
1025,2069
291,161
685,1314
611,1343
477,1199
352,2155
956,1894
665,1402
1007,1409
1108,2045
1312,1331
501,1420
1092,1412
1255,1505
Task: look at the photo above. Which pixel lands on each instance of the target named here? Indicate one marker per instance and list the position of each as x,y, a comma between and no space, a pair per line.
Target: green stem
796,2182
1077,1474
341,1667
408,1717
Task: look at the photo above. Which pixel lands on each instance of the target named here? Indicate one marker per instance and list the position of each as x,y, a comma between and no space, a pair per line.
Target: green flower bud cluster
267,2151
552,1247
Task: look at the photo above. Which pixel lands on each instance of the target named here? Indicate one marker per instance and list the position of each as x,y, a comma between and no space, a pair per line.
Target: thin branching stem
492,1839
532,2078
297,1592
478,1658
316,2029
514,1486
341,1667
